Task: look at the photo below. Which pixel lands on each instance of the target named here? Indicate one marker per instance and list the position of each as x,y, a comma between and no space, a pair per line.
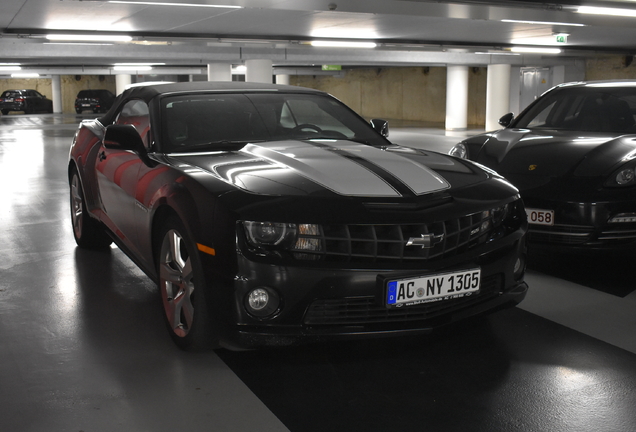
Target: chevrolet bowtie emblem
426,240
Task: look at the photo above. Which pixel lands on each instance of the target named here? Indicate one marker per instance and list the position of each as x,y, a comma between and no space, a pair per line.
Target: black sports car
97,101
28,101
572,154
274,214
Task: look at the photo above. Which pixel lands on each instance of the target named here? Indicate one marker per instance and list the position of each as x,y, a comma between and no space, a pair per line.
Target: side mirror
123,137
506,119
126,137
381,127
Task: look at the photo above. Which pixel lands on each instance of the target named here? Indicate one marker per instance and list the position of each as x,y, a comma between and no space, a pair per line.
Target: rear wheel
5,111
87,231
182,288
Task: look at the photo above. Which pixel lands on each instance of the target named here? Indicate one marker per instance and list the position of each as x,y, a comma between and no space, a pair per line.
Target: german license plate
425,289
8,100
540,217
86,105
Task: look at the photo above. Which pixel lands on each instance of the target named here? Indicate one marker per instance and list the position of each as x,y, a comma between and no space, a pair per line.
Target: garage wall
409,93
71,85
614,67
41,85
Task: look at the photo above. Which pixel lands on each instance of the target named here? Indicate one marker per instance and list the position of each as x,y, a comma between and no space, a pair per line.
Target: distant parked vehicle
28,101
99,100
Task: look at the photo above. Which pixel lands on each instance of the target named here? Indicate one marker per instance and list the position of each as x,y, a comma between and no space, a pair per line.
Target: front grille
388,242
560,234
366,310
619,233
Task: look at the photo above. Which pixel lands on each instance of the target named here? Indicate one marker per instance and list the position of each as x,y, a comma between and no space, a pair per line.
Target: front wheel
87,231
182,288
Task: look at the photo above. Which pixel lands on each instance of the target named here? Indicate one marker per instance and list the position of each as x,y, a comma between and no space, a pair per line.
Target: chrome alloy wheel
77,206
176,282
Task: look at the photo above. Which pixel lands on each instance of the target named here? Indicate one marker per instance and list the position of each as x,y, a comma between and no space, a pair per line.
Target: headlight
459,150
625,176
622,177
278,237
269,233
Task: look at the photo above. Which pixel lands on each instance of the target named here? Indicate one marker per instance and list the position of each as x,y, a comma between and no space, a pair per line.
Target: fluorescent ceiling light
543,23
139,64
25,75
132,68
78,43
240,69
537,50
606,11
543,41
497,53
97,38
10,68
338,44
143,3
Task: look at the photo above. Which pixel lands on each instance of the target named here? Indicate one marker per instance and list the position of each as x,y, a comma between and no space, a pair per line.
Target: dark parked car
28,101
97,101
572,154
274,214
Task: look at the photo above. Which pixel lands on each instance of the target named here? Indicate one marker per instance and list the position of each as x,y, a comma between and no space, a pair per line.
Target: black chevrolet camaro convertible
270,215
572,154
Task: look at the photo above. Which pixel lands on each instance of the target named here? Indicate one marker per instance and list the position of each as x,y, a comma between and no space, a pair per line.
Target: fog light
258,299
262,302
623,218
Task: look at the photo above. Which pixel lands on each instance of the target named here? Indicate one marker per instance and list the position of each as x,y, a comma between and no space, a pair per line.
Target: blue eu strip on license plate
425,289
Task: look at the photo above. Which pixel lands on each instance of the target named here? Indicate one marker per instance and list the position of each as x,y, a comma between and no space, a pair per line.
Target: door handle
101,156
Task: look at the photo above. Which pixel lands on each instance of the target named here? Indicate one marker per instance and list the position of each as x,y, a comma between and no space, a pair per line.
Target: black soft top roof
150,91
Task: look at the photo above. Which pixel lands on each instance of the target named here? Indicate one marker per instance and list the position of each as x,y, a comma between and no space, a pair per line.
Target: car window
136,113
195,121
587,109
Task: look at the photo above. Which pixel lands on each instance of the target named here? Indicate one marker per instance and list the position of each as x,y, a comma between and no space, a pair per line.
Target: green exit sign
561,38
331,67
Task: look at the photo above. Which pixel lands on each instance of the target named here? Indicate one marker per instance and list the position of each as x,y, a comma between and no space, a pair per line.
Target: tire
78,111
5,111
182,289
88,232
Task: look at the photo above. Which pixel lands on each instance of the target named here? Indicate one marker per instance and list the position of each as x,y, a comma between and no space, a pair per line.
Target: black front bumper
319,304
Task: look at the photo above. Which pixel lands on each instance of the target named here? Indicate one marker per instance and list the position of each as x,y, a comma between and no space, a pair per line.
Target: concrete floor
84,347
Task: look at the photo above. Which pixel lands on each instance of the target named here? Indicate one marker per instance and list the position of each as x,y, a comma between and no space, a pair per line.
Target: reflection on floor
84,348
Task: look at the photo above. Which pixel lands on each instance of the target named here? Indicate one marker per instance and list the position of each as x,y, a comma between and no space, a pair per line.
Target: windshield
204,122
587,109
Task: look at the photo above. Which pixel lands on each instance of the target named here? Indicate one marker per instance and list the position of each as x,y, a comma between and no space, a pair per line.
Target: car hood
554,153
328,166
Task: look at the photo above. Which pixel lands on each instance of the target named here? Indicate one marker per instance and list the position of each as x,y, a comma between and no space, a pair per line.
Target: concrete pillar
259,71
456,97
558,75
121,81
219,72
497,94
282,79
56,88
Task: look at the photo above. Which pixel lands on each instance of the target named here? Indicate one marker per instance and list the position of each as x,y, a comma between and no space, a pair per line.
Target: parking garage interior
84,347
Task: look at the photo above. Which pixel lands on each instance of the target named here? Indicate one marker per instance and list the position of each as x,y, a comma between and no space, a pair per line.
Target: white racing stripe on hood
324,167
329,166
419,178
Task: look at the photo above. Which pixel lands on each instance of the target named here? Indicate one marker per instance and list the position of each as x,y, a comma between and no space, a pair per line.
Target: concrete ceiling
408,32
